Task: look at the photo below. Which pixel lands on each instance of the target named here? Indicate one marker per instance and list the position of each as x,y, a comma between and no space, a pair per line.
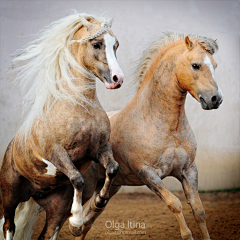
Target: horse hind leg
14,189
25,216
57,205
10,201
91,212
107,161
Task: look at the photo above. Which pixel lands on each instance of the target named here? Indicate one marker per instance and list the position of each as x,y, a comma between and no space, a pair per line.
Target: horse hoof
75,231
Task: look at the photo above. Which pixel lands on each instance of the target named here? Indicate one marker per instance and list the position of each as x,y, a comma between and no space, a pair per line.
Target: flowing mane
206,43
43,68
65,129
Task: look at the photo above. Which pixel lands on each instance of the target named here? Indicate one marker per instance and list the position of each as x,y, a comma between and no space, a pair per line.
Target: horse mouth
118,86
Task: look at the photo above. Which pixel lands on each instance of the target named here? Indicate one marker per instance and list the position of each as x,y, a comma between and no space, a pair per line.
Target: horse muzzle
115,82
210,102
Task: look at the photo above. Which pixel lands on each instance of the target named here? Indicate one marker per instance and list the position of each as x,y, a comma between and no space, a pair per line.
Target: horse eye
96,45
195,66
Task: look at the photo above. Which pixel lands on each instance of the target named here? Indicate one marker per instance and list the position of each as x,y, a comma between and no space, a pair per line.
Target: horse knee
175,205
77,181
112,169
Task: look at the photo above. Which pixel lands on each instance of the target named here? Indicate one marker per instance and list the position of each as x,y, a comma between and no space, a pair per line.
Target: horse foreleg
151,177
76,220
64,164
190,187
91,212
107,161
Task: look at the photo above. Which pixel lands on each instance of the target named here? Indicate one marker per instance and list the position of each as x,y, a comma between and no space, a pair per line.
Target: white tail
25,220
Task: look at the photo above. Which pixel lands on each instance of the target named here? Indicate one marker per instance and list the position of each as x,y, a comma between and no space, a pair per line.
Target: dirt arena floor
145,216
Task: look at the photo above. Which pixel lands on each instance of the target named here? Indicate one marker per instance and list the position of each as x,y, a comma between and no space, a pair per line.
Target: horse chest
87,141
174,159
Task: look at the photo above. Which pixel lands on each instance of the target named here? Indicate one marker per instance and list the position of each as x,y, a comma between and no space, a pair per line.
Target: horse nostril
115,78
214,100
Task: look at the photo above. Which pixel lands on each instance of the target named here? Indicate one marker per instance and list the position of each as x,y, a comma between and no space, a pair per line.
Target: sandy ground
132,212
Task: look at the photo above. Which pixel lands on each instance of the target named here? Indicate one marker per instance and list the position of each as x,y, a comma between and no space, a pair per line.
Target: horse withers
151,137
66,127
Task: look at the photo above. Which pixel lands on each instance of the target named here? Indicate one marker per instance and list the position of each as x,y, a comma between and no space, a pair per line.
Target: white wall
136,24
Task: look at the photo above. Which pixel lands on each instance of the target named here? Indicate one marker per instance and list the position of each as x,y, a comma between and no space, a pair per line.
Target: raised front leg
64,164
190,186
151,177
107,161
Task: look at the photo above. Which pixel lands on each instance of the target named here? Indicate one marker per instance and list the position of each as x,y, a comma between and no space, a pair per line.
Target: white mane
44,66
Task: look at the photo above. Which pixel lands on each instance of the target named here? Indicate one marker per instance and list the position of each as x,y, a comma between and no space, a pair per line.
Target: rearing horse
66,127
151,137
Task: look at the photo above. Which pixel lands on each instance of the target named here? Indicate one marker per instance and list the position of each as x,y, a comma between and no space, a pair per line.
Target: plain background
136,25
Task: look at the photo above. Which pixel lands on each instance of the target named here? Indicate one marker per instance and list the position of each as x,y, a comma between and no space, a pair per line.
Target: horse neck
82,80
160,95
89,85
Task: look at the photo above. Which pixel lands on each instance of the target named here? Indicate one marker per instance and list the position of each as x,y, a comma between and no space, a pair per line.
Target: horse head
196,73
95,48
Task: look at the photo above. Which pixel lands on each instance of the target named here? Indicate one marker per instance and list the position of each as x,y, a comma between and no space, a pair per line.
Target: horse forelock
105,27
206,43
43,69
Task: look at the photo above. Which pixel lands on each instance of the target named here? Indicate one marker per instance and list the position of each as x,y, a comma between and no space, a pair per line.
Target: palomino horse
66,127
151,137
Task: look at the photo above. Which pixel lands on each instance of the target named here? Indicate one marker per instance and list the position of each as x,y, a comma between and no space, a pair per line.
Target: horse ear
109,21
86,23
190,45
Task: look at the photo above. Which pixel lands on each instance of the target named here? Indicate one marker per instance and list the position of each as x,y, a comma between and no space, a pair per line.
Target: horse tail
26,216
